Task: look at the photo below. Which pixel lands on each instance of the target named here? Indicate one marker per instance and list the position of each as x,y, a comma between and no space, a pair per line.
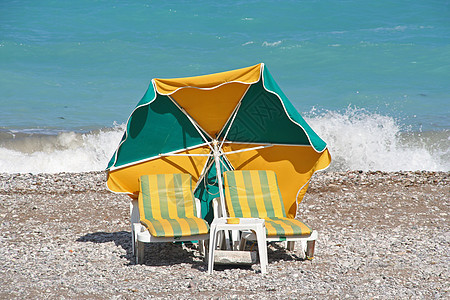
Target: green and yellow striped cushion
167,207
255,194
286,227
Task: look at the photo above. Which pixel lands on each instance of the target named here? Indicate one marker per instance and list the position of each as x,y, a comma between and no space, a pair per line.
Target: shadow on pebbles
381,236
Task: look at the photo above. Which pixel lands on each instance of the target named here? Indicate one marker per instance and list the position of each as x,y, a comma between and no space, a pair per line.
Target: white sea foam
64,152
268,44
357,139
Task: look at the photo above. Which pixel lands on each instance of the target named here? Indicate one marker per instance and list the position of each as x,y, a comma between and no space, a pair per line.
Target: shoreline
382,235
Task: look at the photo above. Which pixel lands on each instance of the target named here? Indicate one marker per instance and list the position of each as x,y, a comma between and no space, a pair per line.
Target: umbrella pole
219,178
219,182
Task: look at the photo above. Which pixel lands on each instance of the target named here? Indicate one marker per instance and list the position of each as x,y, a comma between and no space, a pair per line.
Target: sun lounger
255,194
166,211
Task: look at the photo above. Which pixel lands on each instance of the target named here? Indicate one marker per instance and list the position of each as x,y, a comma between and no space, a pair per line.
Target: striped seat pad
167,207
176,227
255,194
286,227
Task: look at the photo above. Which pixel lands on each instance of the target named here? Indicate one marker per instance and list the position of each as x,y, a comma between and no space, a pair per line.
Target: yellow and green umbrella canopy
205,125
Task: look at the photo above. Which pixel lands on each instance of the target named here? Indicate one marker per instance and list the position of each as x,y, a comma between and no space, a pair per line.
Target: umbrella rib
232,117
229,164
184,154
272,144
172,153
206,167
231,123
197,127
248,149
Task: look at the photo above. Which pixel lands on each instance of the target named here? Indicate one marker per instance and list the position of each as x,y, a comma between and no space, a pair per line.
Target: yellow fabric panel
294,166
125,180
171,197
156,201
246,75
211,108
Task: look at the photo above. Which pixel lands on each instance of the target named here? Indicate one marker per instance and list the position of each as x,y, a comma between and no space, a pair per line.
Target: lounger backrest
253,194
166,196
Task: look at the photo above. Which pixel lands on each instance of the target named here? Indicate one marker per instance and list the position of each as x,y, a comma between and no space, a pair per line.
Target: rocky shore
381,236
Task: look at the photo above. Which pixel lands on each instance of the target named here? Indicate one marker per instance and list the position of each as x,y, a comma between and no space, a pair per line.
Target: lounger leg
206,251
140,252
291,245
200,247
235,239
212,246
242,244
133,241
262,248
310,249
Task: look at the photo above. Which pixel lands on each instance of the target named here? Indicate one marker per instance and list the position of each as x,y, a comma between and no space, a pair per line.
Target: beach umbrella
207,124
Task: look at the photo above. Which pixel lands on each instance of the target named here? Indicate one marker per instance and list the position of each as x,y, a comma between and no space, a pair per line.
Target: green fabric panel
155,128
262,119
248,186
270,84
148,96
146,197
266,194
207,190
113,158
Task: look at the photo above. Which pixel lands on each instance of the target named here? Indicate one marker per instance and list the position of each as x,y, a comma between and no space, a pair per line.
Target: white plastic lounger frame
307,241
140,234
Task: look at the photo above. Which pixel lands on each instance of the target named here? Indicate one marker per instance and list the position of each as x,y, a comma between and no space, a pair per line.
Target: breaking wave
50,152
357,139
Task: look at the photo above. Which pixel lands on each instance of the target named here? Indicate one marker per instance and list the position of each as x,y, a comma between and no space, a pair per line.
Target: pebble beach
381,236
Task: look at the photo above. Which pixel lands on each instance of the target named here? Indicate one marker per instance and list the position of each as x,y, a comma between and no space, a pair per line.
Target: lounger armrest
134,211
217,207
198,206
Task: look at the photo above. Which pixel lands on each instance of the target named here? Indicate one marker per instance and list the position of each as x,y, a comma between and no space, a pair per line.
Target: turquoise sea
371,77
